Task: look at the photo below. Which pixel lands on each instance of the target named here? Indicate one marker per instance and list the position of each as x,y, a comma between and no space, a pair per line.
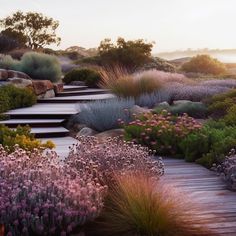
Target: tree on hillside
31,29
204,64
130,54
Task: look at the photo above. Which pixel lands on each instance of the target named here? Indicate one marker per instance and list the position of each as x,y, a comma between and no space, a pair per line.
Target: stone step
12,123
75,99
50,132
74,88
83,92
44,111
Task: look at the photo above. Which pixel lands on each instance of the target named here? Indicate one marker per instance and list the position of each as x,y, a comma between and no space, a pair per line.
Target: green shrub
193,109
204,64
37,65
12,97
8,63
210,145
89,76
4,100
195,145
222,106
41,66
22,137
230,117
129,54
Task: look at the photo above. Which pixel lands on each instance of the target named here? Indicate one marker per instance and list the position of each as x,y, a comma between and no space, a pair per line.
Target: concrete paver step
82,92
74,87
71,99
32,122
48,132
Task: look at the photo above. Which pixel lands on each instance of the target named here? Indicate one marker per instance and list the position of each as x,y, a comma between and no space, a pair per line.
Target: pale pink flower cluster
39,195
114,155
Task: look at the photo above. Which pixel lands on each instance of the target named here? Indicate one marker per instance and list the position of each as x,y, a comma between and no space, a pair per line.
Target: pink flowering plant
39,195
101,160
161,132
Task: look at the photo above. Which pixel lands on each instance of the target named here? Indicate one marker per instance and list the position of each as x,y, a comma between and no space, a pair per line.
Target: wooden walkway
218,205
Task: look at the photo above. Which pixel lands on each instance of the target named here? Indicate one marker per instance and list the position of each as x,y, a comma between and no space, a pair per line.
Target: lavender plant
150,100
193,93
229,83
41,196
227,169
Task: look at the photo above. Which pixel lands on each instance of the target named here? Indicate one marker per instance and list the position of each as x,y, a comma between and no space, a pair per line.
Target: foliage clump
104,115
38,66
90,76
204,64
161,132
130,54
22,137
12,97
126,85
193,109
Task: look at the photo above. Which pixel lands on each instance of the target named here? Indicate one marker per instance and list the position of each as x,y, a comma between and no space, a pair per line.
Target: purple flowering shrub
101,160
39,195
195,93
227,169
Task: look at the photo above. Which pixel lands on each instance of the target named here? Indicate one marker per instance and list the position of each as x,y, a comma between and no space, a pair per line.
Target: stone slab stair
47,117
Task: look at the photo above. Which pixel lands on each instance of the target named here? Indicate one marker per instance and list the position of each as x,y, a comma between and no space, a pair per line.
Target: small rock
20,82
42,86
86,131
17,74
110,134
49,94
139,110
58,88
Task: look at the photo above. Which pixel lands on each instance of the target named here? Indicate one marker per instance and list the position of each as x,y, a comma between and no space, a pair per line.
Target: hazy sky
172,24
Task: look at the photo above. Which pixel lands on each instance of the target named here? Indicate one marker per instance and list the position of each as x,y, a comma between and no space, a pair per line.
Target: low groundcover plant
40,196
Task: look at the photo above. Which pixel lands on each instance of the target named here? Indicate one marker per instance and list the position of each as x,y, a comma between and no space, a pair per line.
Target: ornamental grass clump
103,115
139,205
161,132
126,85
113,155
39,195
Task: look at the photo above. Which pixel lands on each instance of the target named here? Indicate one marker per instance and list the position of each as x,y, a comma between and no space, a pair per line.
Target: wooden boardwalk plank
207,190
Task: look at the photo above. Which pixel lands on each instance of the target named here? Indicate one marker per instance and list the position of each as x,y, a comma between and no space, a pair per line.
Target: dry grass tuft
141,206
123,84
